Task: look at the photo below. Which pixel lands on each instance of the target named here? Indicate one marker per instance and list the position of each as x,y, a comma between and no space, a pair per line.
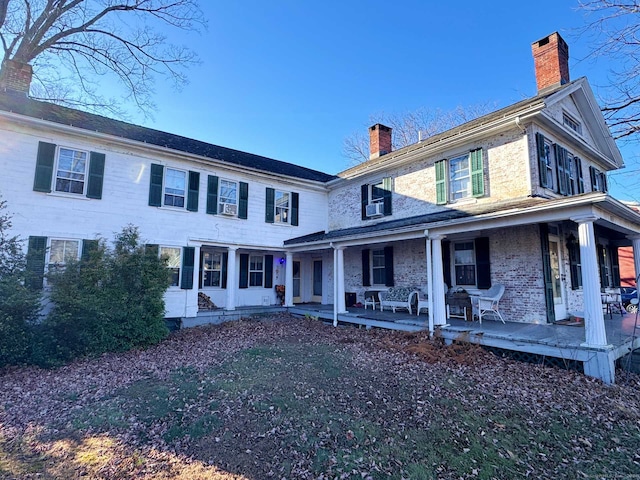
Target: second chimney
379,140
16,76
551,60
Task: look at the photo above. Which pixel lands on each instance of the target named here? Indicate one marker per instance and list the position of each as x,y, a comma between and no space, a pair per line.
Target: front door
297,298
555,257
317,281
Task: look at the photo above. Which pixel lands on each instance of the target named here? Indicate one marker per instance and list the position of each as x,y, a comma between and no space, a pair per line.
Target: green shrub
18,305
110,300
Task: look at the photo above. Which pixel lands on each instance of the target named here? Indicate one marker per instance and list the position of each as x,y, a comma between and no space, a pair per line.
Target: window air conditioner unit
229,209
375,209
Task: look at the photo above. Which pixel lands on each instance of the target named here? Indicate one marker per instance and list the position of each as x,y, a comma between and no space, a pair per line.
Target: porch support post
232,281
437,280
288,280
335,286
429,281
636,254
342,307
595,334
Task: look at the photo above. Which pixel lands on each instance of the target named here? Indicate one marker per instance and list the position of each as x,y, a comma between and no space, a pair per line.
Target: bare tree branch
410,127
75,41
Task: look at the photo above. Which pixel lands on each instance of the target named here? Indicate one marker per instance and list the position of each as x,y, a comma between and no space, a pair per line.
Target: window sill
464,201
77,196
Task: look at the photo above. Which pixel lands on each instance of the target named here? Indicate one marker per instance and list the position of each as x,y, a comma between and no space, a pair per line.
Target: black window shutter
446,262
615,267
194,191
36,255
243,204
546,270
155,185
295,200
188,263
212,195
387,194
201,269
225,261
270,205
244,271
366,272
152,249
604,281
483,262
605,185
573,249
364,200
593,172
542,165
561,171
88,247
580,176
96,175
268,271
44,167
388,266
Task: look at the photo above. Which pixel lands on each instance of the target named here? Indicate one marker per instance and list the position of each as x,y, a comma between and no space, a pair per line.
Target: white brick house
516,197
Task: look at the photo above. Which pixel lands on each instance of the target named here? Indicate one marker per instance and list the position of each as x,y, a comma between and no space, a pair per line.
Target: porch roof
487,215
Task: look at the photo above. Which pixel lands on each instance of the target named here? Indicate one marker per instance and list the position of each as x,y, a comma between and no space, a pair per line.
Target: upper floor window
171,187
71,171
460,177
228,197
68,170
598,180
573,124
281,207
172,256
175,188
376,198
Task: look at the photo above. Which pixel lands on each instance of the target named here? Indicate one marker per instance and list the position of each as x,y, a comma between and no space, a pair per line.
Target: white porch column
232,281
335,286
429,280
342,307
288,280
437,280
595,334
636,254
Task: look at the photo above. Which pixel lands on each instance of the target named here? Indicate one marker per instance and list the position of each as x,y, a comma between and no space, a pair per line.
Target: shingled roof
18,103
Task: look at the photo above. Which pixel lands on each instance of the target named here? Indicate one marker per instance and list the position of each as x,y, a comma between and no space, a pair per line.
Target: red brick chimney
551,60
16,76
379,140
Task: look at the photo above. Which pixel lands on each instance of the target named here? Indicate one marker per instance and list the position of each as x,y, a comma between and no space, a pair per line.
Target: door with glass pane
317,281
297,298
557,277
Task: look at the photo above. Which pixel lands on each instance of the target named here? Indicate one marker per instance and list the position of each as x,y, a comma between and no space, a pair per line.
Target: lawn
289,398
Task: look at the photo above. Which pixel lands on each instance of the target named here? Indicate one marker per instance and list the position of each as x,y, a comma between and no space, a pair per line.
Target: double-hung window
464,262
61,252
175,188
460,177
211,269
378,267
228,197
282,206
376,198
172,256
598,180
71,171
256,270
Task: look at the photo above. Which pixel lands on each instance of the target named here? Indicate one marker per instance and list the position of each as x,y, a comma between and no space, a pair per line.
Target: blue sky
292,79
